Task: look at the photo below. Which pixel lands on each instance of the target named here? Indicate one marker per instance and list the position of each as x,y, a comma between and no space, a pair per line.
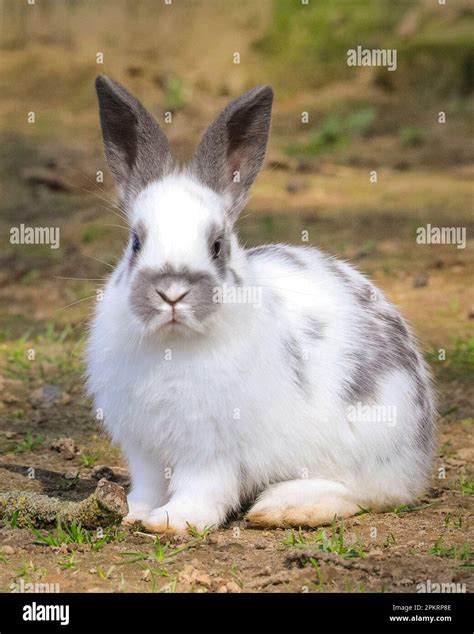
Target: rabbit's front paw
137,512
178,518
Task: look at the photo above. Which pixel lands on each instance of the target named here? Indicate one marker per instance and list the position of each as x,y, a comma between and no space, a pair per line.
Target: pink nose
169,300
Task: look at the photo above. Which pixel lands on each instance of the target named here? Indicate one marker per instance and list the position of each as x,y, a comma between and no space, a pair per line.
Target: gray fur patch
294,354
237,280
386,344
314,328
279,250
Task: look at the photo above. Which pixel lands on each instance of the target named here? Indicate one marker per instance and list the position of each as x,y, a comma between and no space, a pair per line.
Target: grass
459,362
107,574
92,233
466,485
29,443
13,520
26,354
78,535
235,575
456,522
334,543
174,94
89,460
163,552
411,136
462,552
194,532
69,563
335,132
320,577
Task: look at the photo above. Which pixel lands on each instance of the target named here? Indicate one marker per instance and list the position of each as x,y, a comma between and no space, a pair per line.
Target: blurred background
180,58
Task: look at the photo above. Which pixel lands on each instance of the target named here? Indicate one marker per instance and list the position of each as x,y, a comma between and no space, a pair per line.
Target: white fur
223,419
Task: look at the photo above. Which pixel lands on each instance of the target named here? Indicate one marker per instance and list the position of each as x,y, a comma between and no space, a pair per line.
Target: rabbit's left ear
232,150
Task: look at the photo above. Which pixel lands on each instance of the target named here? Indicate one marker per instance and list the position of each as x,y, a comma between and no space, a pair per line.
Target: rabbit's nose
171,300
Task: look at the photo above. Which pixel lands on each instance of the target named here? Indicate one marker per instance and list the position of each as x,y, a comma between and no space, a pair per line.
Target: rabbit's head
182,246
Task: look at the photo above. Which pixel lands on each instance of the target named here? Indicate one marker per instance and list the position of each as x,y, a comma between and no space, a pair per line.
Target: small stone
146,575
188,574
7,550
222,589
92,571
204,580
260,544
66,447
46,396
72,474
10,434
102,471
293,185
421,280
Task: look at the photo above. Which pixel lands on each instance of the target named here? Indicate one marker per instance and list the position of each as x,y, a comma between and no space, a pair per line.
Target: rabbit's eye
216,248
135,243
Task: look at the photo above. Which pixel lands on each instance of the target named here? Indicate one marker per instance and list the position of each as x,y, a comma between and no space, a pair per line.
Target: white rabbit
227,375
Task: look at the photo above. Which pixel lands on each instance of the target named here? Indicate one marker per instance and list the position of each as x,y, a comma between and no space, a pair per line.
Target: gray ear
231,152
136,148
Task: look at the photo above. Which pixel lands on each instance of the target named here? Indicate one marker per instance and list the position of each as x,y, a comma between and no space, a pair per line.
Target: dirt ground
48,174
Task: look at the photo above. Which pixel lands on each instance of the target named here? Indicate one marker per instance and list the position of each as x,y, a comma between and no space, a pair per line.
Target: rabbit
276,379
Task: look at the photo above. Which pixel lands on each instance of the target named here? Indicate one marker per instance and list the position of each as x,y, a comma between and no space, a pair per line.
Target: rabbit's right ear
232,150
136,148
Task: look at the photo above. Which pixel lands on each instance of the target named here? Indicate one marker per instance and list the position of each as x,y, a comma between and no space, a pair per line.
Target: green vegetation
174,94
12,521
336,132
309,43
462,552
88,459
29,443
334,543
54,344
411,136
314,38
69,563
92,233
77,534
459,362
466,485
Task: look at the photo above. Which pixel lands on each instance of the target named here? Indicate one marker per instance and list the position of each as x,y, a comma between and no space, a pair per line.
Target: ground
323,191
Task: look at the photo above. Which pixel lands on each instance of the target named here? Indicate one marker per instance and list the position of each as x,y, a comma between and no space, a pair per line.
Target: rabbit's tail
303,502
